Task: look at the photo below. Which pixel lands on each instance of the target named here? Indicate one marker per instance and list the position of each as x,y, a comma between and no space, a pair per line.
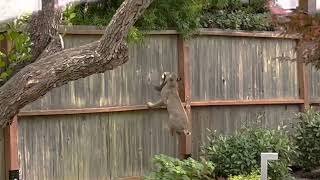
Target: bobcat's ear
179,79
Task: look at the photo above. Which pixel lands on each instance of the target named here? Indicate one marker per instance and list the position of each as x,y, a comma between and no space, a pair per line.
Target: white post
265,157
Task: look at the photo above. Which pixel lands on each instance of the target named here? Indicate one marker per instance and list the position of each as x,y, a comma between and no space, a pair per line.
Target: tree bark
36,79
43,27
43,30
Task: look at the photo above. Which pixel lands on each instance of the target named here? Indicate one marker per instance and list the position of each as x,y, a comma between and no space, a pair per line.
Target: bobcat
178,119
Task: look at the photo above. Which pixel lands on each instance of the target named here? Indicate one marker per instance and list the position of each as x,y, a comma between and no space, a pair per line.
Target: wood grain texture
11,145
228,119
303,81
247,102
129,84
242,68
314,84
95,147
2,156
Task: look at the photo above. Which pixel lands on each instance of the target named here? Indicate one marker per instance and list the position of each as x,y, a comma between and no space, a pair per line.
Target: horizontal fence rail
144,107
93,30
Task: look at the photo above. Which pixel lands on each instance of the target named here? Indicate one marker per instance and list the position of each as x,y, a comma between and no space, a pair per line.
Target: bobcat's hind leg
172,131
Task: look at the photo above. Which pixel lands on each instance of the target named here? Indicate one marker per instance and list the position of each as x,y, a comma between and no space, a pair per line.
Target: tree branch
43,30
36,79
43,27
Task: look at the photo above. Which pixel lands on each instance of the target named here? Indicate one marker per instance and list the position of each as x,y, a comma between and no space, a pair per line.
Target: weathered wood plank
2,156
185,92
225,68
129,84
94,30
303,79
248,102
314,84
93,146
11,147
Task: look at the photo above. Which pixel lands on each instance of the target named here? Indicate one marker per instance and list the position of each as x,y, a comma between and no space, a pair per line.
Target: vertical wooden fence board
242,68
227,119
314,84
129,84
95,147
2,157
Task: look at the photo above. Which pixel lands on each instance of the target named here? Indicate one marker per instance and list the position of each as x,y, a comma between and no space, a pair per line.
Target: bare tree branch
36,79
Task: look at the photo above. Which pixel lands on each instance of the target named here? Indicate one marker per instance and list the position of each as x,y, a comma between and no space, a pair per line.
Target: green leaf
2,64
2,54
4,75
1,37
13,35
72,15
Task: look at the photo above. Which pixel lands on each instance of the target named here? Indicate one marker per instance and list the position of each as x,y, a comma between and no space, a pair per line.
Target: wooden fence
99,127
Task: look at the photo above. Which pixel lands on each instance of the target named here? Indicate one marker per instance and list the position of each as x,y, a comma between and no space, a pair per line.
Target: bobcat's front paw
149,104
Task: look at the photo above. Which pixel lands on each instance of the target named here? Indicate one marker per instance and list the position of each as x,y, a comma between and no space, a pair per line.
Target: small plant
169,168
239,154
307,137
252,176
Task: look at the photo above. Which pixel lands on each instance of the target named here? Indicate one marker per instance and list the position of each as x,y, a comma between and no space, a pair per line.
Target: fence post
11,138
302,68
11,150
185,92
303,81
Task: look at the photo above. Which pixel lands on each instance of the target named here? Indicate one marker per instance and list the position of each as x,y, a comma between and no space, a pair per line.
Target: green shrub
252,176
255,6
307,138
239,154
239,20
169,168
20,47
183,15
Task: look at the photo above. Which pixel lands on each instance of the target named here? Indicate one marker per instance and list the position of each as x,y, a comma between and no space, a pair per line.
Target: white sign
265,157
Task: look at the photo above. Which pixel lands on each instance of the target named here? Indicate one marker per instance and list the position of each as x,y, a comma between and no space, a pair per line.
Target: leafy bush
183,15
255,6
252,176
239,20
232,14
169,168
20,47
307,137
98,13
240,153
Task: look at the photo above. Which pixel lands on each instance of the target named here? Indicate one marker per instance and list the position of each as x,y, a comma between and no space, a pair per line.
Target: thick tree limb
36,79
43,27
53,47
43,30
